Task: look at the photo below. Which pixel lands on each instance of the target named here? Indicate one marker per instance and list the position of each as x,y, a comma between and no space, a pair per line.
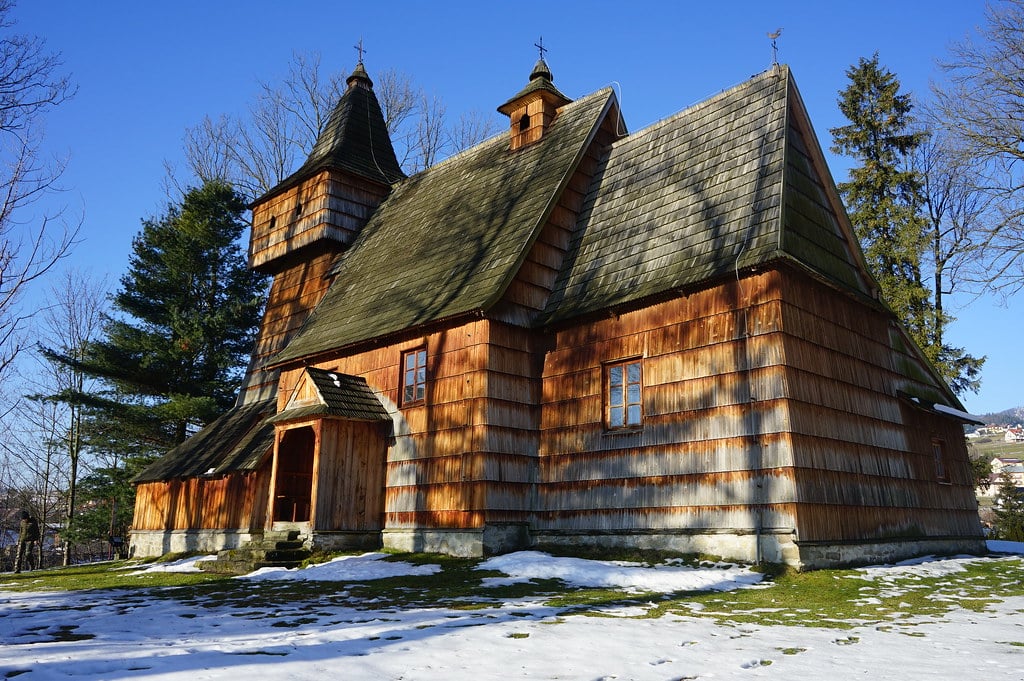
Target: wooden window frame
618,399
941,462
417,374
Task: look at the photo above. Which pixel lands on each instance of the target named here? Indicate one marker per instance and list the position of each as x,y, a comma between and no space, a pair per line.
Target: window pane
414,375
615,376
634,415
634,372
615,396
615,417
633,393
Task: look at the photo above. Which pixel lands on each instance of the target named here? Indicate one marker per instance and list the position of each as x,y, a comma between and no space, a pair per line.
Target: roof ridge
502,135
707,102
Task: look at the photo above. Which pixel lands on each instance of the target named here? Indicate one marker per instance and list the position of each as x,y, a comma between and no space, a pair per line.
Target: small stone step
273,549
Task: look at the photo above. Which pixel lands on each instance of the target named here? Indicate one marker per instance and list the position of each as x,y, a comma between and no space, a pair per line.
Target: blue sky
146,71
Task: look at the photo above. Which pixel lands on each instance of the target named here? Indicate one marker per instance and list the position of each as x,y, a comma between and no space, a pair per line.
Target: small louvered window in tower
524,123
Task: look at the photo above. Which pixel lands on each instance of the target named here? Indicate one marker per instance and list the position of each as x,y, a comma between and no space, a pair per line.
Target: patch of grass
837,599
593,600
106,575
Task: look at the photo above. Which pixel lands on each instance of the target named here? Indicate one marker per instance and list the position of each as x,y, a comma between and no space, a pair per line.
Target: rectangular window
414,376
939,452
624,391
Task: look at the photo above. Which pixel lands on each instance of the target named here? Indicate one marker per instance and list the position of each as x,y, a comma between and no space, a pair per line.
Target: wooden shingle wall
712,453
508,447
233,501
327,206
293,295
864,457
435,464
530,290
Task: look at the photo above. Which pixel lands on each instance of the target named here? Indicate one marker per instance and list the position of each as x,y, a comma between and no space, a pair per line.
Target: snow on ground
129,634
527,565
345,569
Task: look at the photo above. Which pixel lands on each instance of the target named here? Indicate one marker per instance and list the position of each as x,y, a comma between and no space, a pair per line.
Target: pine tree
885,204
186,316
1009,511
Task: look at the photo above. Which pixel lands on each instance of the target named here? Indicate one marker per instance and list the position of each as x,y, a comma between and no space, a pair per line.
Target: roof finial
359,49
775,48
540,46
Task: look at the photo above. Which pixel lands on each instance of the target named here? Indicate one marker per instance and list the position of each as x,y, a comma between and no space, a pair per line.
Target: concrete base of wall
345,541
818,555
769,547
487,541
155,543
461,543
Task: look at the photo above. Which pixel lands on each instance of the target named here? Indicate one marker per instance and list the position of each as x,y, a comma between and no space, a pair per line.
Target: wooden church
571,335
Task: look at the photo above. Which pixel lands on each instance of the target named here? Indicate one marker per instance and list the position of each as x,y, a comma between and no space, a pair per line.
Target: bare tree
34,458
957,213
73,322
982,106
256,152
30,86
471,129
426,140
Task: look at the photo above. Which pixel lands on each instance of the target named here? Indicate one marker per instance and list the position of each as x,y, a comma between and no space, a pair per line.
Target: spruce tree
186,316
885,203
1009,511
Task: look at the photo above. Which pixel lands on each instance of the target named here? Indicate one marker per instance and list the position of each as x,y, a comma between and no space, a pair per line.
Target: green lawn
831,598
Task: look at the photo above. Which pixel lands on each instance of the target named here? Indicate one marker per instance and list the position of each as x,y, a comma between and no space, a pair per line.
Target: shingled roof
238,440
341,395
697,197
355,138
448,241
724,185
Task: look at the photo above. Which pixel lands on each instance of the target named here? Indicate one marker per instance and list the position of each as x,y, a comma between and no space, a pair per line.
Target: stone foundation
474,543
155,543
745,547
815,555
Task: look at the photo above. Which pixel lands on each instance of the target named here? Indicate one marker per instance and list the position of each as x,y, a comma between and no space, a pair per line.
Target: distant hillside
1006,417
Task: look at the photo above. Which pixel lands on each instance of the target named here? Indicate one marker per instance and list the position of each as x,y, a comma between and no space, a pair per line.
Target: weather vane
775,48
540,46
360,50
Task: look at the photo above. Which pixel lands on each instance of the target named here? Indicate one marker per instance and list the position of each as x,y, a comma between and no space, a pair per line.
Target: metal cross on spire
360,50
540,46
775,48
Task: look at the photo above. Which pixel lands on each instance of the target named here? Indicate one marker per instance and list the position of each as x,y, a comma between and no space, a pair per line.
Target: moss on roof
238,440
449,240
692,198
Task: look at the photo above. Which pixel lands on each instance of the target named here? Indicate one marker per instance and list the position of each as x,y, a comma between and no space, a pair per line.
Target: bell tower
301,226
533,109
